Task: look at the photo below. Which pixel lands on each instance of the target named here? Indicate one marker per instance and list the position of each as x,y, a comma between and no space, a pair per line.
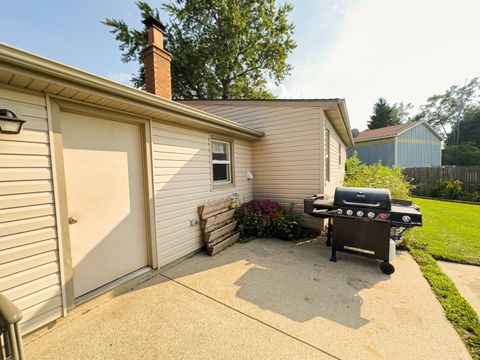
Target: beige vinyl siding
337,171
286,161
183,181
29,262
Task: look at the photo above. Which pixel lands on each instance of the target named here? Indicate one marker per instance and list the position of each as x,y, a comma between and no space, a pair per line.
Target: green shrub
453,190
287,225
266,218
358,174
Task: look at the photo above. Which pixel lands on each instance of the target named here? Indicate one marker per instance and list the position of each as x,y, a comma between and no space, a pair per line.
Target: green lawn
450,231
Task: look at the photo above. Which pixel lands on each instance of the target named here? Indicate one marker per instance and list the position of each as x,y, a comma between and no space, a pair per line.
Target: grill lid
363,197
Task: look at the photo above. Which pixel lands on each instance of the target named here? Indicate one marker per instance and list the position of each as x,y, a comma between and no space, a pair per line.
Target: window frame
339,153
230,162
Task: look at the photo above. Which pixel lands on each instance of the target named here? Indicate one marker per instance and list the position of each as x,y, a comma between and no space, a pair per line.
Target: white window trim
224,162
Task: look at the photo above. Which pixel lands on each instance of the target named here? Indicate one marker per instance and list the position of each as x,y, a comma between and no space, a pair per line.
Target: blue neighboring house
414,144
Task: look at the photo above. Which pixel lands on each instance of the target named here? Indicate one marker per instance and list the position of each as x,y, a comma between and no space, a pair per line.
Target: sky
359,50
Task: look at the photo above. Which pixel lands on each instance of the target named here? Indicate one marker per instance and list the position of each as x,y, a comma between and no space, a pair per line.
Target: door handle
72,220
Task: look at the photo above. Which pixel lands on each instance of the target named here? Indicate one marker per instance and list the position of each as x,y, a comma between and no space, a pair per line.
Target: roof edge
305,102
32,62
338,104
342,107
376,138
429,127
404,131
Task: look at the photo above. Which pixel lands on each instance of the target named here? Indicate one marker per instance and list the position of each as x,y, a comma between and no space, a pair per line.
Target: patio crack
252,318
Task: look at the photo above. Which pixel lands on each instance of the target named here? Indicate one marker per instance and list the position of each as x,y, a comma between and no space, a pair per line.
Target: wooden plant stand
218,226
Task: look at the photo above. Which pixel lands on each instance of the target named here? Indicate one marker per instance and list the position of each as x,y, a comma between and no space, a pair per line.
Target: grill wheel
387,268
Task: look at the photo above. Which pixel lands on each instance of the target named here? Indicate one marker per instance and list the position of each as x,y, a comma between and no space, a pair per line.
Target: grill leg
333,258
330,239
329,233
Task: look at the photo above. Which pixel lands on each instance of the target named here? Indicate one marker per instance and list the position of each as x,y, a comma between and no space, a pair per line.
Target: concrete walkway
266,299
466,279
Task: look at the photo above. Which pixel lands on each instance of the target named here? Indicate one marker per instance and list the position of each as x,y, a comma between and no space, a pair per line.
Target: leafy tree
464,154
446,111
132,41
469,129
220,48
401,112
383,115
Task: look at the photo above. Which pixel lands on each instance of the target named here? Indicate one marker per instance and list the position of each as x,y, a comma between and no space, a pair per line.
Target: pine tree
383,115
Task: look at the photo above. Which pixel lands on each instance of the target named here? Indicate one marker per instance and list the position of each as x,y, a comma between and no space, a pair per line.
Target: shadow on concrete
296,282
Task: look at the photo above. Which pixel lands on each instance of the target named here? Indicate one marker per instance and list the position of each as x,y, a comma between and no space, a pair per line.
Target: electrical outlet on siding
194,222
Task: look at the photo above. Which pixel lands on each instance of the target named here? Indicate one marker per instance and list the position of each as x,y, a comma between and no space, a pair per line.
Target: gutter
342,108
376,138
59,72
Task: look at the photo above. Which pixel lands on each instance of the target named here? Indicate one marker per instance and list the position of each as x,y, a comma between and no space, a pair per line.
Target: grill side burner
362,221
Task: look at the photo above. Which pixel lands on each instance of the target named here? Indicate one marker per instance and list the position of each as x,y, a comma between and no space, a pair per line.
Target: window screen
221,161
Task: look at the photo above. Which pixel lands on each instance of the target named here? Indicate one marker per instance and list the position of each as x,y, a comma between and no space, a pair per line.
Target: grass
448,233
450,230
462,316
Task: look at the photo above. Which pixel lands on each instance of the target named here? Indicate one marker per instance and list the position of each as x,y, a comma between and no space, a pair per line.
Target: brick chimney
158,80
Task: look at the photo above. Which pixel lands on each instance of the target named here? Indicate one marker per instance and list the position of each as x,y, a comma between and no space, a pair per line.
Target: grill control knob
359,213
371,214
339,211
406,218
349,212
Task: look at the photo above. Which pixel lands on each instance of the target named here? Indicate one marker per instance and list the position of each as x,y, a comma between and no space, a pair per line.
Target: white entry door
105,199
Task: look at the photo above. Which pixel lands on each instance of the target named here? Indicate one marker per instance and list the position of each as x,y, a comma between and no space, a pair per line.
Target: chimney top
157,61
151,21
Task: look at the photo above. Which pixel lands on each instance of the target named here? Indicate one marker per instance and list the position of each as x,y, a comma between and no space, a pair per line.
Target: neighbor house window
327,154
221,162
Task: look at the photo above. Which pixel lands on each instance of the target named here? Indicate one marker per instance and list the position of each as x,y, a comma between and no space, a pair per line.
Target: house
304,148
414,144
103,182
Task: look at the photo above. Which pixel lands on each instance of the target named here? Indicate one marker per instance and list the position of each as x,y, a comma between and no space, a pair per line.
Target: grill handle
361,204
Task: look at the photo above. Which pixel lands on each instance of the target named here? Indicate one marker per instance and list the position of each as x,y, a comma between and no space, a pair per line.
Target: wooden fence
425,178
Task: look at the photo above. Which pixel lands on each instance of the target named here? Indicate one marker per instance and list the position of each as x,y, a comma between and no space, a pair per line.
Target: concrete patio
265,299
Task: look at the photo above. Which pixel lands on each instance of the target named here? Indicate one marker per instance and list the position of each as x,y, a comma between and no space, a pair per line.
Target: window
327,154
221,162
340,154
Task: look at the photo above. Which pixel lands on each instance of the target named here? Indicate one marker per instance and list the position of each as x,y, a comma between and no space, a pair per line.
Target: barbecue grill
364,221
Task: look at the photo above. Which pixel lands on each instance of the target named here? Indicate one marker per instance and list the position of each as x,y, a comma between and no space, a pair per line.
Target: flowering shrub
266,218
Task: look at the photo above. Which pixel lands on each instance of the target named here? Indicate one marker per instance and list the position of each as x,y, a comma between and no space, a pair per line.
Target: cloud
280,91
404,50
123,78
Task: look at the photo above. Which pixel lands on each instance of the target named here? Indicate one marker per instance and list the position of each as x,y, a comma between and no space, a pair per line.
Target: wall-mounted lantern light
9,122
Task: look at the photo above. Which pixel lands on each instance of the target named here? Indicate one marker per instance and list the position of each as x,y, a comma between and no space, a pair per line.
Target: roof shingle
388,131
